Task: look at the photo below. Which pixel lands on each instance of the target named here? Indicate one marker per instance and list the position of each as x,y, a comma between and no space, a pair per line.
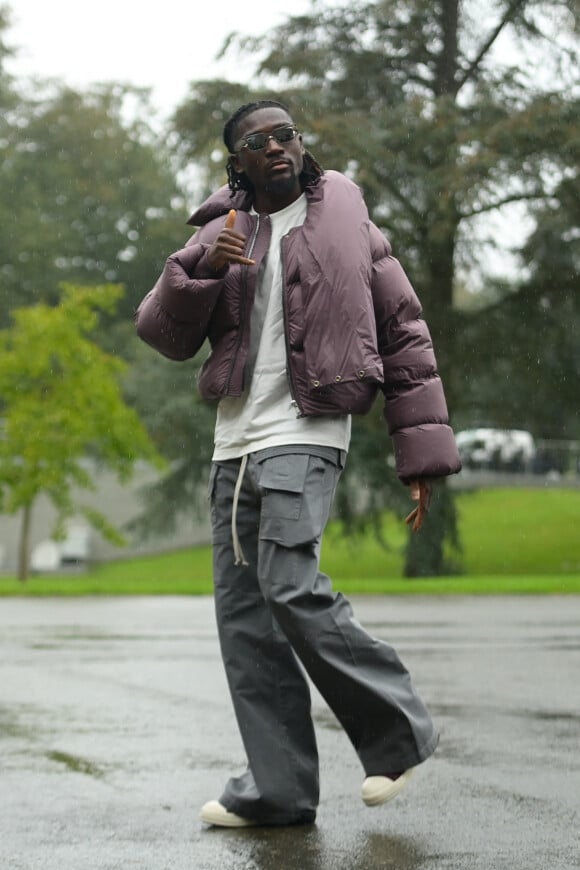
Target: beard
282,186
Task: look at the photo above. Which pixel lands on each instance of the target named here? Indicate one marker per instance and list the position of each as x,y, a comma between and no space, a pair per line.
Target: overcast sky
162,45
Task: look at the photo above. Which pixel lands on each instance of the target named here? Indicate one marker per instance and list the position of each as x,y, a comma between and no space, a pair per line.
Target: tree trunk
434,551
439,311
446,70
428,551
24,544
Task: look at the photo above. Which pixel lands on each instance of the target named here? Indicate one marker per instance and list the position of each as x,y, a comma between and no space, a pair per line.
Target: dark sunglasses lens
256,141
284,135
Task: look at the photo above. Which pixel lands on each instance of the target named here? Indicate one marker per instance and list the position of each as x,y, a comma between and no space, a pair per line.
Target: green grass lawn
521,531
516,541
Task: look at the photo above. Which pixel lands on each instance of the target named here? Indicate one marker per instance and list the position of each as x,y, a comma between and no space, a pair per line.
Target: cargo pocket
292,486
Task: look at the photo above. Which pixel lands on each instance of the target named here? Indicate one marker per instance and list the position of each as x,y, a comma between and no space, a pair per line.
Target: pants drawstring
239,558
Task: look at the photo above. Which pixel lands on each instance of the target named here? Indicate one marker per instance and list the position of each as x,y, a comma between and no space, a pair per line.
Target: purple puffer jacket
353,322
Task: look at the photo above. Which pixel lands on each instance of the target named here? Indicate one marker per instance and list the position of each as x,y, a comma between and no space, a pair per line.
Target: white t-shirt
264,415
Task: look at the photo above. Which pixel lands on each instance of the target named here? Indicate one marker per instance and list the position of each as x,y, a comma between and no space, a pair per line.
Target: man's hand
228,247
420,491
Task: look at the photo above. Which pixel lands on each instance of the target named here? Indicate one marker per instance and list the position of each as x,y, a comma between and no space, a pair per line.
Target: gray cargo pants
277,615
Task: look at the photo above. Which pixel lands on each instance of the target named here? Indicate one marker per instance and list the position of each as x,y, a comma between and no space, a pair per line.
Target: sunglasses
258,141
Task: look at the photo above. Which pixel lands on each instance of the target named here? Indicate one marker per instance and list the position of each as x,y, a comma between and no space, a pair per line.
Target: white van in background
496,449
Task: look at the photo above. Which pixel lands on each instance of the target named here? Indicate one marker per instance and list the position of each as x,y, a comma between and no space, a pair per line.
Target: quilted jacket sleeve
174,316
415,407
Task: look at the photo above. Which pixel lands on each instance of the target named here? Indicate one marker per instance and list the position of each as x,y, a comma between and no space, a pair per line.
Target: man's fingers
228,246
426,495
244,261
234,255
229,225
415,518
421,491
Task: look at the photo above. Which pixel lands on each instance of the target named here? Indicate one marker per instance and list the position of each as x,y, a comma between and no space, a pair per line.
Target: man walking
308,316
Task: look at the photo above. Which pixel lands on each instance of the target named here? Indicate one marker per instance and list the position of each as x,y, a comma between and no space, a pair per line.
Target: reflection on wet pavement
312,849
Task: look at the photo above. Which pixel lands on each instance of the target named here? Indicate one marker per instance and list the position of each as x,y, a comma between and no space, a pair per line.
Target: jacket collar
220,202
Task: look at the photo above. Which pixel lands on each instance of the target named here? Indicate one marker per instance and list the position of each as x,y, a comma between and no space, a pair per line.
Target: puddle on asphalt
309,848
384,850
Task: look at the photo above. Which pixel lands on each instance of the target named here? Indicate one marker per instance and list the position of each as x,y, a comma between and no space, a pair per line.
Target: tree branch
513,7
511,297
516,197
394,190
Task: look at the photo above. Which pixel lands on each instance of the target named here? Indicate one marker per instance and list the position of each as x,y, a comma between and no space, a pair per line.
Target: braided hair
311,170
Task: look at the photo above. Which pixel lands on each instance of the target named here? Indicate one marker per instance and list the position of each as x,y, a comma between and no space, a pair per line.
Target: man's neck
265,203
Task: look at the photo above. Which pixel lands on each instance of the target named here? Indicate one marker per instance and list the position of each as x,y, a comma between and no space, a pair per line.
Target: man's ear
235,162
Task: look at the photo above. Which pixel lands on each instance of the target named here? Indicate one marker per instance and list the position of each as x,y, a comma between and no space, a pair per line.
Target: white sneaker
377,790
213,813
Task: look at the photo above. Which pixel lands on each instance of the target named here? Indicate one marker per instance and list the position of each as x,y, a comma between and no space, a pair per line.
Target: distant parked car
496,449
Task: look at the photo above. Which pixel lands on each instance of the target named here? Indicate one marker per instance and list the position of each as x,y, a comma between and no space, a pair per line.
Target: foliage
535,322
536,326
199,122
61,405
7,97
86,195
181,424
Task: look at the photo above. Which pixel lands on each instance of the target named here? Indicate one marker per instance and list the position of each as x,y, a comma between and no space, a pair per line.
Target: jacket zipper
293,392
243,306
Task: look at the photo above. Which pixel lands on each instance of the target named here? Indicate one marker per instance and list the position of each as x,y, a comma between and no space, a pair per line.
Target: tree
181,425
88,195
61,405
535,322
410,98
436,111
6,91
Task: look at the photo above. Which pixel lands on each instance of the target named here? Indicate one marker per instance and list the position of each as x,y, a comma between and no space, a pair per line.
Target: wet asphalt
115,726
